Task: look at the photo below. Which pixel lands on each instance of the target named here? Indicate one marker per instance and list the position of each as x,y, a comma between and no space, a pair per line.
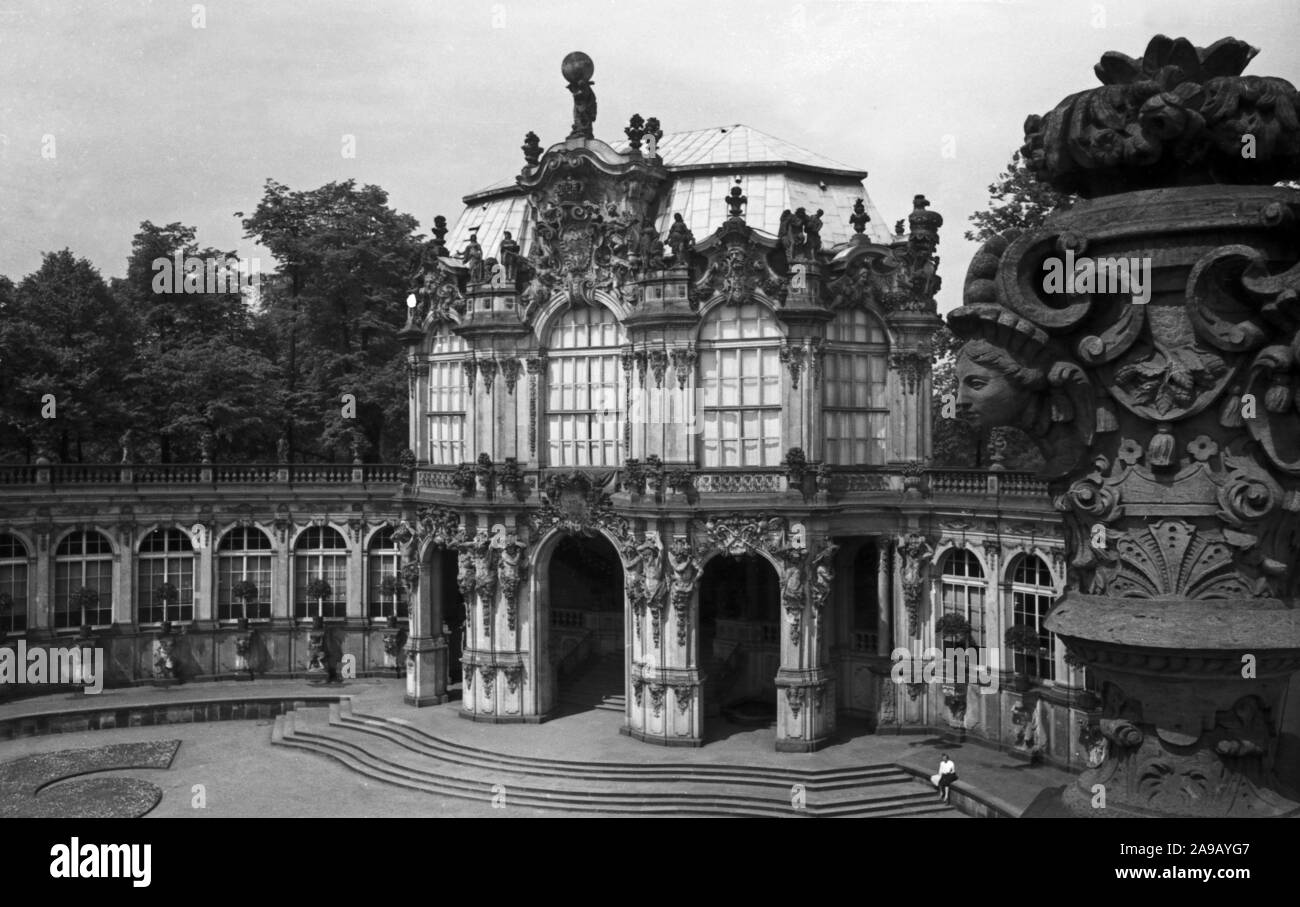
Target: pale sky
155,119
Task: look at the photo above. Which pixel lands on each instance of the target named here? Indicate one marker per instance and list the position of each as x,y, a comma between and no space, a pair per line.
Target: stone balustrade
83,474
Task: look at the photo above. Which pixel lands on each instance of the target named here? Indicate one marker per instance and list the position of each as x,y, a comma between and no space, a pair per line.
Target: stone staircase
394,752
598,686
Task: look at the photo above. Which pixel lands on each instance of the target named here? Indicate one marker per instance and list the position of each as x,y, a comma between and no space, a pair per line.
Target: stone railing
82,474
749,631
864,641
436,478
1021,483
858,482
566,617
960,481
733,481
17,475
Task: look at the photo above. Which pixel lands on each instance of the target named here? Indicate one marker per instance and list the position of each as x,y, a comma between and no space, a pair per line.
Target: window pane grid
446,413
83,559
584,390
741,413
13,582
962,591
1032,594
235,567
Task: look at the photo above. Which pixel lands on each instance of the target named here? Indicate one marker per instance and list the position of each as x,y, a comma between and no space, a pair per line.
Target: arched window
83,560
446,414
962,590
382,562
166,557
13,583
320,554
244,555
855,406
584,382
740,374
1032,594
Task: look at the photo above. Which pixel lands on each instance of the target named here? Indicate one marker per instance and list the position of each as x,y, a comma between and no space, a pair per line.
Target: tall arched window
244,555
320,554
740,374
13,583
1032,594
83,560
962,590
166,557
855,406
446,413
382,562
584,389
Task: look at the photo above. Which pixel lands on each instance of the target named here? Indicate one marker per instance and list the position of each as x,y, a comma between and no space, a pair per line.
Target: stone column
506,677
205,581
426,647
281,569
884,596
40,607
124,585
666,705
805,704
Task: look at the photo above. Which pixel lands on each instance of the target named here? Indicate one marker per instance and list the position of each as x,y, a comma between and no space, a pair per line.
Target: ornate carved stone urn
1147,339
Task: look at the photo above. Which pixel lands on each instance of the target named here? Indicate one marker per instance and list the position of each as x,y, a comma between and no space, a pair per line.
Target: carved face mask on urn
1171,428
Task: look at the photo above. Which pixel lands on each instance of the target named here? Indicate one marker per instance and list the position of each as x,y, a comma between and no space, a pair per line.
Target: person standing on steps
946,776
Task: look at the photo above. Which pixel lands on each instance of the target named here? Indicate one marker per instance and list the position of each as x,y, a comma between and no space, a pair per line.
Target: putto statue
578,69
1164,399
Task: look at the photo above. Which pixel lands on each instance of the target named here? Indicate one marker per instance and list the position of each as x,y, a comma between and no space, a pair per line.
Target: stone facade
728,396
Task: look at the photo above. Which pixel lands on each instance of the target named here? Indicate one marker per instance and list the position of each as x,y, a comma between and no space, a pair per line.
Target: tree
201,378
66,346
343,263
1017,201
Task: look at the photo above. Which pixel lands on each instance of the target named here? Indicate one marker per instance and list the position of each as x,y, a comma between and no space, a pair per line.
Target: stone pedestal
805,710
1149,339
665,704
426,671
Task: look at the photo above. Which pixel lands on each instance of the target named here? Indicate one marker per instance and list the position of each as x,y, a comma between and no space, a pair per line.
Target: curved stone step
429,744
385,751
780,779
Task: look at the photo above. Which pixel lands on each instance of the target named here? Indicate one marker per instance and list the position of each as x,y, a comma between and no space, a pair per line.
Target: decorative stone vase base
422,701
660,740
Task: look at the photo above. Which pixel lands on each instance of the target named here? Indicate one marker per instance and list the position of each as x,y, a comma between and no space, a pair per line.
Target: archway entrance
449,608
585,591
740,638
860,602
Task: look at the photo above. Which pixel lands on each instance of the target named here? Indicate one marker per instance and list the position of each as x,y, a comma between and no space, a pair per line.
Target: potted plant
320,590
1024,639
511,479
464,479
84,599
169,595
6,607
654,474
392,586
796,467
483,474
679,480
634,476
953,628
245,591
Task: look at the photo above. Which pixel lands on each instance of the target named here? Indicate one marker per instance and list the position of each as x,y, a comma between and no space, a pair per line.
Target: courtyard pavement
242,774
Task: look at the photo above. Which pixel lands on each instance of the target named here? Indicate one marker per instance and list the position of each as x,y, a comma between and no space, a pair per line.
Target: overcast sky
155,119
